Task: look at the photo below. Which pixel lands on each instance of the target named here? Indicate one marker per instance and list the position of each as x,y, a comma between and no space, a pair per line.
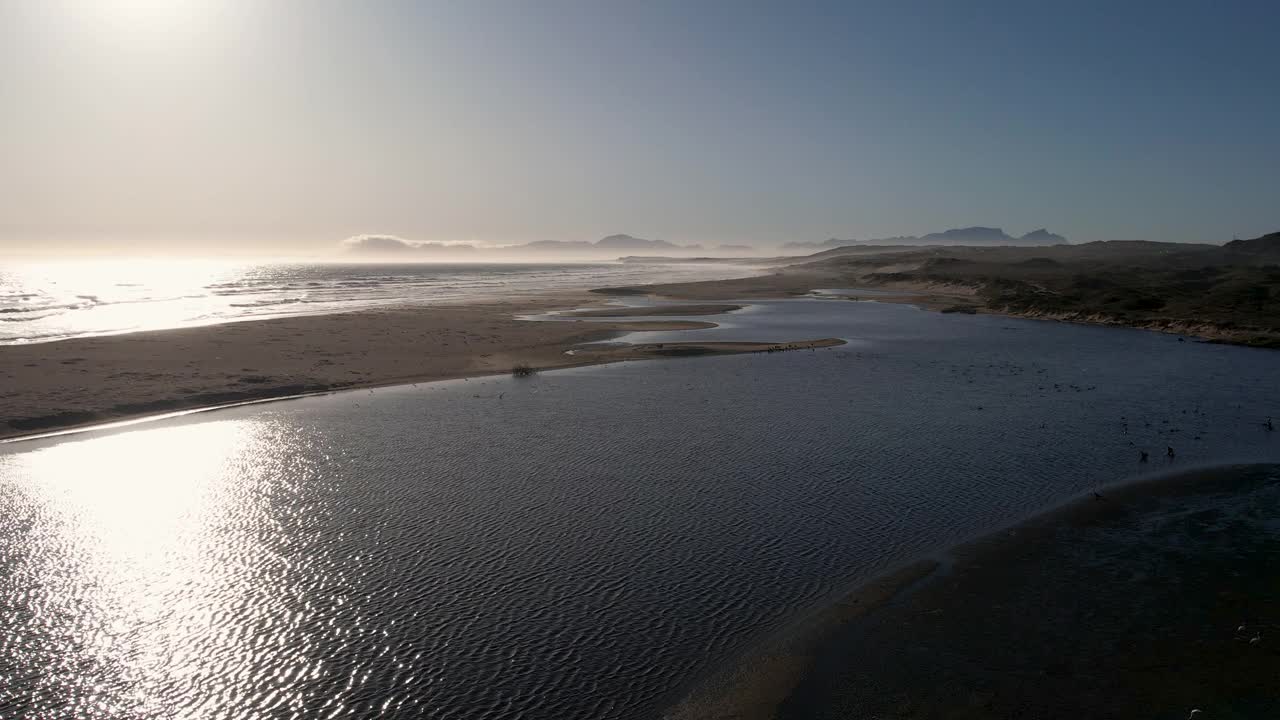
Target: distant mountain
610,243
735,248
969,236
825,244
554,245
1268,244
629,242
606,247
390,245
982,236
1042,237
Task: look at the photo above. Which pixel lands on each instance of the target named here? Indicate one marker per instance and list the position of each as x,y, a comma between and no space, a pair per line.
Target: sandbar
54,386
1148,600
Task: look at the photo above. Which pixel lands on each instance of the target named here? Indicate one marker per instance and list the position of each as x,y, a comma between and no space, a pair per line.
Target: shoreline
103,381
937,297
91,381
607,356
757,682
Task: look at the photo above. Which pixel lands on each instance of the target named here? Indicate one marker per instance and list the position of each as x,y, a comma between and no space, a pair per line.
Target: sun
143,15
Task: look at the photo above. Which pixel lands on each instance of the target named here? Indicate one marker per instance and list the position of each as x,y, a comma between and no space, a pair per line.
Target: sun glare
124,25
143,14
137,525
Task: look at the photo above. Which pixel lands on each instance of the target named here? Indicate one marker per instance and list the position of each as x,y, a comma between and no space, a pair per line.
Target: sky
285,126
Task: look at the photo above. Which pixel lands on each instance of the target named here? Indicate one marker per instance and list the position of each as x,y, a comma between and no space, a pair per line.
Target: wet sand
799,282
650,311
786,283
1145,602
72,383
643,351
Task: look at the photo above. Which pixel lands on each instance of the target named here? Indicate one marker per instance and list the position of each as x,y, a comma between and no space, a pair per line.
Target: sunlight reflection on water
142,565
48,301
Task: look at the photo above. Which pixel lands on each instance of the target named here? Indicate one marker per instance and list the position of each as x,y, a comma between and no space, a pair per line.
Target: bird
1257,639
1196,712
1268,425
1097,495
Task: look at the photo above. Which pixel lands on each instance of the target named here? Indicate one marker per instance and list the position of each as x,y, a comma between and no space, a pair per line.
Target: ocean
43,302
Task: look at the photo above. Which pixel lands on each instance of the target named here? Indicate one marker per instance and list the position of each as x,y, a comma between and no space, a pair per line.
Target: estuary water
579,544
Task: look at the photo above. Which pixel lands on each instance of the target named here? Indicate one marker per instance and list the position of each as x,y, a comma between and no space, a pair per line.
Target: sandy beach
85,381
1147,600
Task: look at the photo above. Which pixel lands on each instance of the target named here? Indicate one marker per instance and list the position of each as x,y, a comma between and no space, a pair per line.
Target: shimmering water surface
41,302
580,544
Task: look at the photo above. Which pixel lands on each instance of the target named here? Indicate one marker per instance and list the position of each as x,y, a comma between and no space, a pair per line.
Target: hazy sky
278,126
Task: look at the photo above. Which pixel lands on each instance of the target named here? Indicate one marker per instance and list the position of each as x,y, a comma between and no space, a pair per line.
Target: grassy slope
1228,294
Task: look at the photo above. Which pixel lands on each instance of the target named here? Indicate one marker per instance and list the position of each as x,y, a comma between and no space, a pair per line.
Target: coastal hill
630,242
1042,237
1225,293
610,243
1230,293
606,247
1266,245
979,236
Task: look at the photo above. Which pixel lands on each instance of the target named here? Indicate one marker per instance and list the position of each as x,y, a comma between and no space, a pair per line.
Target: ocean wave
268,303
45,308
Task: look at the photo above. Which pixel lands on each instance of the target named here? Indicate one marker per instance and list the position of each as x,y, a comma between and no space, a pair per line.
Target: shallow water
579,544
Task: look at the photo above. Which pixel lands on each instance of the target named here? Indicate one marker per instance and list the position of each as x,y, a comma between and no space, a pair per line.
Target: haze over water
41,302
581,544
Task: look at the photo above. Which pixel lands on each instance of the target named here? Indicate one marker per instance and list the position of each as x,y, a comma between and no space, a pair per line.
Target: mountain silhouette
978,235
1268,244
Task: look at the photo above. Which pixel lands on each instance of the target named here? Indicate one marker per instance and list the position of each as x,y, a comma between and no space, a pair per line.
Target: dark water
579,544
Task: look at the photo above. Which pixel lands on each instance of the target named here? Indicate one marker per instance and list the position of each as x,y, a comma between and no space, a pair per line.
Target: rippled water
59,300
581,544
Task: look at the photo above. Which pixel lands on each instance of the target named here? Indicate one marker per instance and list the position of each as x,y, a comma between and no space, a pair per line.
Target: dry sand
58,385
